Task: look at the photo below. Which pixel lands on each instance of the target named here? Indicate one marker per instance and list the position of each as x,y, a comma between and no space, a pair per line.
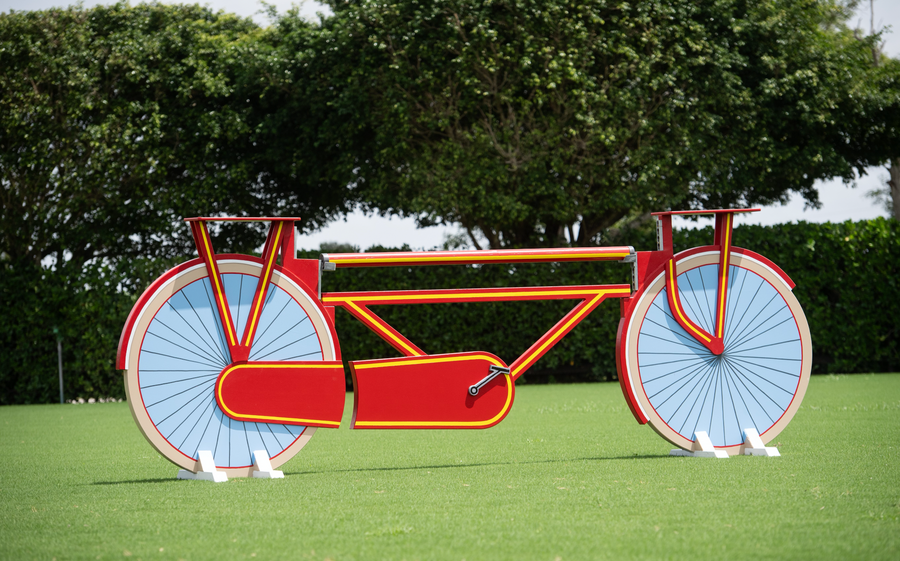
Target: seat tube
664,242
664,234
273,245
723,234
207,254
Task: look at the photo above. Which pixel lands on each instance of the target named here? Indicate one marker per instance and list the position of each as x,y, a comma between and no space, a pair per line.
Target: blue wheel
757,382
177,350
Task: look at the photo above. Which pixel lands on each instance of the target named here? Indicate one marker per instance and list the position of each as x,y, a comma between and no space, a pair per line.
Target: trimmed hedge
846,275
88,311
848,282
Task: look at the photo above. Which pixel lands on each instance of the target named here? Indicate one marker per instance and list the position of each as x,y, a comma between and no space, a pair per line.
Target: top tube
717,211
242,219
471,257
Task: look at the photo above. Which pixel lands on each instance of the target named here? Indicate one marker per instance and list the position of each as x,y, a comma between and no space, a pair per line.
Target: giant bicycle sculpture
230,357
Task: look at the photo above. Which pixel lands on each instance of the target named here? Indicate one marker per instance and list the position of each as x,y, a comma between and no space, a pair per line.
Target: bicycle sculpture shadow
232,357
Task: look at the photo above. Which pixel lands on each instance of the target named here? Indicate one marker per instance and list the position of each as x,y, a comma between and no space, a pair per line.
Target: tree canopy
118,121
527,122
537,122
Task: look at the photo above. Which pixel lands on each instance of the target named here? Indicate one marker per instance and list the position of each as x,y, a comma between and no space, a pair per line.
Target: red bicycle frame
382,395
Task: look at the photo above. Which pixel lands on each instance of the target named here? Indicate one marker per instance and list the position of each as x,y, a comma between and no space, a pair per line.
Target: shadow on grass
478,464
410,468
133,481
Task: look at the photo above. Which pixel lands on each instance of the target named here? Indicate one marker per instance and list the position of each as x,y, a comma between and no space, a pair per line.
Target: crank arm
495,371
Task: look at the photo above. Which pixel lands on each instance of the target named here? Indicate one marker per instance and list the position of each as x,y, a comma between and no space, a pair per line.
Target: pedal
495,371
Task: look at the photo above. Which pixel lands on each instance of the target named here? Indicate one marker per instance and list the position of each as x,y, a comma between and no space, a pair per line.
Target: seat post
664,233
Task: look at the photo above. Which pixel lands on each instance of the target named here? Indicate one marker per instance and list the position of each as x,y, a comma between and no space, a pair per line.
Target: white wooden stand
263,466
753,445
207,471
702,448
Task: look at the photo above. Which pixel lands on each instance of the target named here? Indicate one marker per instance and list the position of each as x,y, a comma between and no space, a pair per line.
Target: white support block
264,466
207,471
702,448
753,445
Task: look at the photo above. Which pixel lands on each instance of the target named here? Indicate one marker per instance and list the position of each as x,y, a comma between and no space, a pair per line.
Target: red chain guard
292,393
429,392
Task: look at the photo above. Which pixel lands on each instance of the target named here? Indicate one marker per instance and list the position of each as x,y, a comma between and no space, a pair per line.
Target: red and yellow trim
395,259
356,303
563,327
723,274
220,399
505,294
393,337
675,303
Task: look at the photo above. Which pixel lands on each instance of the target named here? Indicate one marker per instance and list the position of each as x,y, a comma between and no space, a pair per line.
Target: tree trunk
894,184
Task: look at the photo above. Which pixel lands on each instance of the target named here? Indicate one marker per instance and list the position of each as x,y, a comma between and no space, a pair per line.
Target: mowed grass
568,475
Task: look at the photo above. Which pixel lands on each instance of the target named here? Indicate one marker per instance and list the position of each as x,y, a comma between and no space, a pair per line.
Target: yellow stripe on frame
448,295
257,307
382,329
477,258
214,273
720,321
428,360
555,336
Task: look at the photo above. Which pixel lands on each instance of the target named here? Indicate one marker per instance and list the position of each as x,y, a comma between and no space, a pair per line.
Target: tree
117,122
890,194
535,122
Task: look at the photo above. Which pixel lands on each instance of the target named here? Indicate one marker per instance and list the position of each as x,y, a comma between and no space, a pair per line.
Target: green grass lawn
568,475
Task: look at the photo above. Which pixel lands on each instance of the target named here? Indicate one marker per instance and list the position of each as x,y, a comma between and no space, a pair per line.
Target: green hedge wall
846,275
87,309
848,282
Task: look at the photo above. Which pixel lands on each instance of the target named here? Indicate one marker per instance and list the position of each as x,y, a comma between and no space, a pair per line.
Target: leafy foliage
544,123
847,281
89,318
118,121
115,123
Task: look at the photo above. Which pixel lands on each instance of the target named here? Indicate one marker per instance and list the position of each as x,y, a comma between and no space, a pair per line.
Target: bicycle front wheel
757,382
177,349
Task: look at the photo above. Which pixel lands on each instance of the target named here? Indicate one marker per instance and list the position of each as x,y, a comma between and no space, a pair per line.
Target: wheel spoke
191,327
198,349
699,387
759,313
293,327
768,346
758,331
675,382
737,324
740,378
689,412
746,376
682,335
260,335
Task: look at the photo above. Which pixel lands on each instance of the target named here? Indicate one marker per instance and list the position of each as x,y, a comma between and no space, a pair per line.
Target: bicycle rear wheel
177,349
757,382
